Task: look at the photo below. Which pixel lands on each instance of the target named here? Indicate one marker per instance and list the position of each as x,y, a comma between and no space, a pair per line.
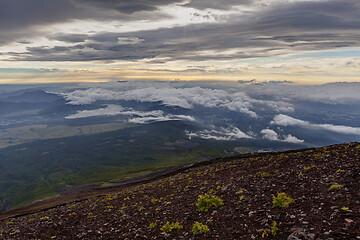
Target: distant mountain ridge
33,96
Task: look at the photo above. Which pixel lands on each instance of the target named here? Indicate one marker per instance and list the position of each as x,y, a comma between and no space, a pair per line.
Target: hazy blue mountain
35,96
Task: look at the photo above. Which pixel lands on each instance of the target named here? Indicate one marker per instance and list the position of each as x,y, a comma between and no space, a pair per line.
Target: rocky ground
324,184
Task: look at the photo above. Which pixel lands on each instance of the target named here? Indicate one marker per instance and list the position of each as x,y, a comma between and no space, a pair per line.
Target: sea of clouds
247,100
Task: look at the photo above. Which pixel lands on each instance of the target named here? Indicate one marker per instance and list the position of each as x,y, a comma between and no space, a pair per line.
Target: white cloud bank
110,110
224,134
271,135
174,96
284,120
330,93
141,117
169,117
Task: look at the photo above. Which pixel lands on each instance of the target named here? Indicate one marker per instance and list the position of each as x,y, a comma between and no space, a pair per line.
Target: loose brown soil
245,184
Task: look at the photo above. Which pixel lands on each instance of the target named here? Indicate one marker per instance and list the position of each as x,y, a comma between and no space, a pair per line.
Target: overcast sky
304,41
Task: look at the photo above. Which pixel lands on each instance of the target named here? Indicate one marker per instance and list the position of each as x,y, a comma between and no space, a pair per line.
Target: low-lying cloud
223,134
237,106
138,116
331,93
271,135
163,118
110,110
284,120
183,97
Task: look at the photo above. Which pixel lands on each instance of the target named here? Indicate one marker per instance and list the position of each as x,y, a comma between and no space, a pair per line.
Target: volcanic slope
323,184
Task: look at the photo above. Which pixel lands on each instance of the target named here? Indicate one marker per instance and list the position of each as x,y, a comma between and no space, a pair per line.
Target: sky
302,41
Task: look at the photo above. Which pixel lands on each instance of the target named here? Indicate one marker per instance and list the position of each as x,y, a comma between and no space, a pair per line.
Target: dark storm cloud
290,27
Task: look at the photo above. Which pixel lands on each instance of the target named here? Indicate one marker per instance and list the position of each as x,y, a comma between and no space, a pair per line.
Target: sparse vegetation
335,186
264,234
154,200
207,201
309,167
282,200
46,218
168,227
153,225
274,229
152,210
199,228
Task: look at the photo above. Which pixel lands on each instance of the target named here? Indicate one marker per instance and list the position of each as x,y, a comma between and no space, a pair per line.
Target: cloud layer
136,116
221,111
284,120
261,31
331,93
175,96
223,134
271,135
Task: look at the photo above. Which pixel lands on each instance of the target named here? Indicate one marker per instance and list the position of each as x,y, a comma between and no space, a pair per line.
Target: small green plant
335,186
46,218
72,207
264,234
339,171
199,228
168,227
274,228
265,175
282,200
309,167
345,208
153,225
207,201
154,200
71,214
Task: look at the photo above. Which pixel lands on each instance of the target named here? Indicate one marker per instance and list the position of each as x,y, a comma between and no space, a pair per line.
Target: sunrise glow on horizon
300,41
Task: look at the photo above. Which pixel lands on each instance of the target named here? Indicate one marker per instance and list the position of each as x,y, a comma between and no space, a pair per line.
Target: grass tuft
207,201
282,200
